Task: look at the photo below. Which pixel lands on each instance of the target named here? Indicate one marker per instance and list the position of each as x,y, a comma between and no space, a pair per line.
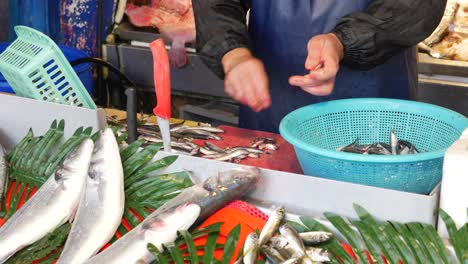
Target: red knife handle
162,79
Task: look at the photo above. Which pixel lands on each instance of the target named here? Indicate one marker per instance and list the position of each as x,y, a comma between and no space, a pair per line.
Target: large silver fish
3,172
162,225
54,204
101,205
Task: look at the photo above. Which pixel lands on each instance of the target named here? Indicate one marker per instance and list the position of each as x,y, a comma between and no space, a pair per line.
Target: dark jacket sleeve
385,28
221,27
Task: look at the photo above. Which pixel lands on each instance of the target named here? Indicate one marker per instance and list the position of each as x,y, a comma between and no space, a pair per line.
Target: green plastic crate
35,67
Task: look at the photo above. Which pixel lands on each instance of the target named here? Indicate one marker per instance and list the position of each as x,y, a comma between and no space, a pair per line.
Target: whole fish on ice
54,204
192,205
101,205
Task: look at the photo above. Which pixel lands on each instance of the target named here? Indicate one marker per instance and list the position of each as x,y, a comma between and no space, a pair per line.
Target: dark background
3,20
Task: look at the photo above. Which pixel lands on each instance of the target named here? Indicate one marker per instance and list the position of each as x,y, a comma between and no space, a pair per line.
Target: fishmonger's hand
323,62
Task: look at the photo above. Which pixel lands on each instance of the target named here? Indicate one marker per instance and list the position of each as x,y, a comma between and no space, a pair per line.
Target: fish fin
72,215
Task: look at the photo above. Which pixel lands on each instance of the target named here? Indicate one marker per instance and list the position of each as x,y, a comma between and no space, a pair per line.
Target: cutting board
283,159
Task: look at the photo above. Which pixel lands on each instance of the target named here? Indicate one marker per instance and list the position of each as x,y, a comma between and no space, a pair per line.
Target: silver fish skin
314,238
211,195
282,245
3,173
317,254
250,150
273,255
54,204
156,229
250,248
294,240
214,147
232,155
206,151
393,143
294,260
101,205
182,129
271,226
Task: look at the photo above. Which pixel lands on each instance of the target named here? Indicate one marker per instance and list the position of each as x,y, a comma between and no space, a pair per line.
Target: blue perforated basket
316,131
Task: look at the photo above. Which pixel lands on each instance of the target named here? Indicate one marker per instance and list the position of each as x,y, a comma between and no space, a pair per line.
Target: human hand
323,61
246,80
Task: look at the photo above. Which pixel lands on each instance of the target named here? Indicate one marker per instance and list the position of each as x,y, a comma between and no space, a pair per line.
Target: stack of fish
87,189
238,153
287,247
396,147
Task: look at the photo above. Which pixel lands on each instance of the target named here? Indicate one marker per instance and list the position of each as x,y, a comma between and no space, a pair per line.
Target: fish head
162,228
226,187
77,162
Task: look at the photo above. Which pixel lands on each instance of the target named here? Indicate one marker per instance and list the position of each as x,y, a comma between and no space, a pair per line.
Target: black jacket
369,37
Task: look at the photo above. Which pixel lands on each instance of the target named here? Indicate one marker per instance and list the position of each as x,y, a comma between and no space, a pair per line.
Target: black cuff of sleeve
213,52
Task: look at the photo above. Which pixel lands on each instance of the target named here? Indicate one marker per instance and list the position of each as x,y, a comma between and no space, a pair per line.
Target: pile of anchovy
286,247
396,147
182,137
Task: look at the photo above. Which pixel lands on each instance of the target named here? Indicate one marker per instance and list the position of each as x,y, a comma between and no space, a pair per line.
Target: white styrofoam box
18,115
454,194
312,196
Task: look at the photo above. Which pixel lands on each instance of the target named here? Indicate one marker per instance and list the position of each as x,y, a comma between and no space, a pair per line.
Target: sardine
228,156
314,238
214,147
183,129
393,142
318,254
199,133
3,173
101,205
282,245
250,248
294,260
162,225
54,204
250,150
271,226
272,254
206,151
293,239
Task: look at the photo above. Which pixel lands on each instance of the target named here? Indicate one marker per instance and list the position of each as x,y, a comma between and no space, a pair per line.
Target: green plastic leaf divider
230,245
371,240
47,148
139,159
188,239
154,166
351,236
176,255
14,152
210,245
40,147
416,230
432,236
14,203
122,138
403,249
387,248
452,231
28,150
159,257
404,232
130,150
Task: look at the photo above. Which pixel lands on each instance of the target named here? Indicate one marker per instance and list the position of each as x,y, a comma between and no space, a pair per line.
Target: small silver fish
314,238
271,226
272,254
250,150
393,142
250,248
228,156
182,129
294,240
318,254
294,260
268,146
206,151
213,147
282,245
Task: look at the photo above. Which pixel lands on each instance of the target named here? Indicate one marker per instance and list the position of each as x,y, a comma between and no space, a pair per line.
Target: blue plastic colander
316,131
